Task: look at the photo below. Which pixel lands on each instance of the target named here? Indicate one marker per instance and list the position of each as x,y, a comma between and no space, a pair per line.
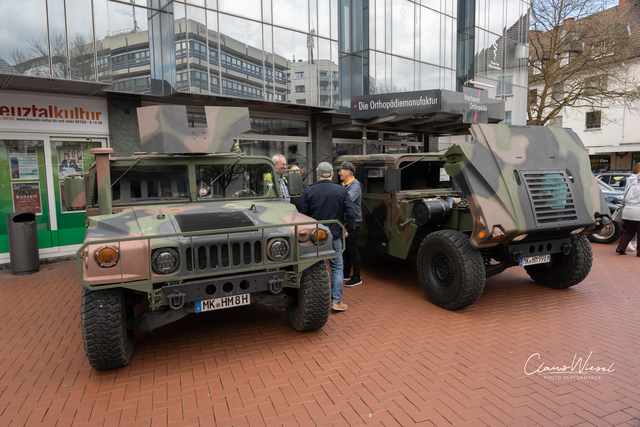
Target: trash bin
23,242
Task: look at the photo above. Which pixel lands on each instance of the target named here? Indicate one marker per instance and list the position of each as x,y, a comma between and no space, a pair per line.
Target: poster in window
24,162
69,161
26,197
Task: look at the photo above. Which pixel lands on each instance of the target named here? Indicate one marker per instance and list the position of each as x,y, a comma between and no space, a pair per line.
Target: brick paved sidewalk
391,359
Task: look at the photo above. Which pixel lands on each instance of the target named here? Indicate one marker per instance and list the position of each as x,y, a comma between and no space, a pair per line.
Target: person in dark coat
328,200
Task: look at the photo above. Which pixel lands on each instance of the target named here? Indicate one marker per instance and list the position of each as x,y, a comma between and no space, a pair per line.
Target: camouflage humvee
514,196
188,232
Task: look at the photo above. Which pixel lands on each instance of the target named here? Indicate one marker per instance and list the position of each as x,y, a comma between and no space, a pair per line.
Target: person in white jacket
631,211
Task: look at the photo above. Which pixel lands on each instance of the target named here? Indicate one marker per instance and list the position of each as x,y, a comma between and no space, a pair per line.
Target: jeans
351,255
337,275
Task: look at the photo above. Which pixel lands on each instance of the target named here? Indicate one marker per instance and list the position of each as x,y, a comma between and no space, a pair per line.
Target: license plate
536,259
223,302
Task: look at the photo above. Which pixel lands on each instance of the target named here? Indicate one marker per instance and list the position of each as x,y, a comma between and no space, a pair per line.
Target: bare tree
81,55
579,57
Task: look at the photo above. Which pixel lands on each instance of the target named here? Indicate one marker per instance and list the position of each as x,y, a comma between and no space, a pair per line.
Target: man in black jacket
327,200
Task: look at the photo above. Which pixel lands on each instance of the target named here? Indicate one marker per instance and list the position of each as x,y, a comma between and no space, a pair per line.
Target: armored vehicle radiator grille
550,195
215,257
213,221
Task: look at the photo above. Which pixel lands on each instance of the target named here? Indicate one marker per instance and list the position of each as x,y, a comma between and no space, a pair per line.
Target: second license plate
536,259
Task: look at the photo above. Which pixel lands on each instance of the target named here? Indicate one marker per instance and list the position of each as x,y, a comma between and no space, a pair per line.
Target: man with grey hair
327,200
281,165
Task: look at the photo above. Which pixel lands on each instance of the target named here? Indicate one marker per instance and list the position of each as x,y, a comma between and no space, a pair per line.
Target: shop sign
26,197
472,104
39,112
24,162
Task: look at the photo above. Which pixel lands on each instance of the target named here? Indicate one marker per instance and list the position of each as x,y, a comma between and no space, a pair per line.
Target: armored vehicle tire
564,270
451,271
107,341
608,234
311,310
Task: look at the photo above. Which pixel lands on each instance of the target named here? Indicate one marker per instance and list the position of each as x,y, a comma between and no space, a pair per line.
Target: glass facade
493,48
311,52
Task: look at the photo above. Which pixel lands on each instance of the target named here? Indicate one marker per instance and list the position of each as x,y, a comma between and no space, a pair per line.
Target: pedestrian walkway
392,359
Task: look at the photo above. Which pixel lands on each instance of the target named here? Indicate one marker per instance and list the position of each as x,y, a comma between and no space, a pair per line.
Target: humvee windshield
223,181
149,184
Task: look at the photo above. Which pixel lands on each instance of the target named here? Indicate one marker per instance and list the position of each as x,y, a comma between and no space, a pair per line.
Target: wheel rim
606,232
442,270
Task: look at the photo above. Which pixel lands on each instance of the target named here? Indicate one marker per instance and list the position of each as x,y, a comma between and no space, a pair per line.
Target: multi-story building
73,72
609,129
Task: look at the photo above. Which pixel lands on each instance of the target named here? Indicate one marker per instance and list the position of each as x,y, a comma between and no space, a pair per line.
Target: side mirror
392,180
74,197
294,183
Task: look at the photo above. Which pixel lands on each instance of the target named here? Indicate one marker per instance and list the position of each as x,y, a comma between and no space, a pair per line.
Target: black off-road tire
107,341
564,271
311,309
451,271
608,234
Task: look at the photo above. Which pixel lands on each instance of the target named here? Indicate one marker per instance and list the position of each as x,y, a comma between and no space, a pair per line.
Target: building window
564,59
507,118
301,101
593,120
300,75
300,88
558,91
504,85
533,97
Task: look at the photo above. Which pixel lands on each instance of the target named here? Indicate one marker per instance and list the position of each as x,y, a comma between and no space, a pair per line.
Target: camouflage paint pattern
74,193
165,129
492,199
492,168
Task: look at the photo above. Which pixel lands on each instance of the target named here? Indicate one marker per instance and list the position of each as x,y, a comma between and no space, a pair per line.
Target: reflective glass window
245,8
233,181
180,40
213,52
380,25
241,57
58,36
80,39
198,50
25,43
324,18
402,28
129,51
402,75
429,31
496,16
292,14
429,77
289,46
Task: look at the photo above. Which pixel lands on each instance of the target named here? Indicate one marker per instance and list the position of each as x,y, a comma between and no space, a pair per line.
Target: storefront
42,139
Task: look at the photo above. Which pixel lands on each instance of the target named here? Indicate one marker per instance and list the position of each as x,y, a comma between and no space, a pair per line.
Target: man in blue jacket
328,200
351,256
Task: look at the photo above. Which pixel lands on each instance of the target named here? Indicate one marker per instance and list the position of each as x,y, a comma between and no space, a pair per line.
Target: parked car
616,179
611,232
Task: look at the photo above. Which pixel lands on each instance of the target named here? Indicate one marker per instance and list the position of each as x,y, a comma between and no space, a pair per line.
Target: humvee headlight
165,261
277,249
319,237
107,257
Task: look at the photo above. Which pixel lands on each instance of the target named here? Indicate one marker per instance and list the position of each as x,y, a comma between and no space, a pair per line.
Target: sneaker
632,246
354,281
339,306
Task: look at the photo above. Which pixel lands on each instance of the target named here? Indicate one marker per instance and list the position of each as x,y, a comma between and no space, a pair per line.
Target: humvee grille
215,257
550,195
213,221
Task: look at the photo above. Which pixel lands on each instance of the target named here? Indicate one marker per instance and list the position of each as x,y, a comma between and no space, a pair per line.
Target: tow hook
275,285
566,248
176,299
516,255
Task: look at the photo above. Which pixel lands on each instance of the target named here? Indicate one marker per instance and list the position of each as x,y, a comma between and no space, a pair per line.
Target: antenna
135,23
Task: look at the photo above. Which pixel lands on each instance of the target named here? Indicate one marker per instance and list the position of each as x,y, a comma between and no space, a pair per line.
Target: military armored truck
513,196
187,227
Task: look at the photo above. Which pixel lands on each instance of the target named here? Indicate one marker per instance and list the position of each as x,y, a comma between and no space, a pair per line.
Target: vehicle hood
524,179
162,220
